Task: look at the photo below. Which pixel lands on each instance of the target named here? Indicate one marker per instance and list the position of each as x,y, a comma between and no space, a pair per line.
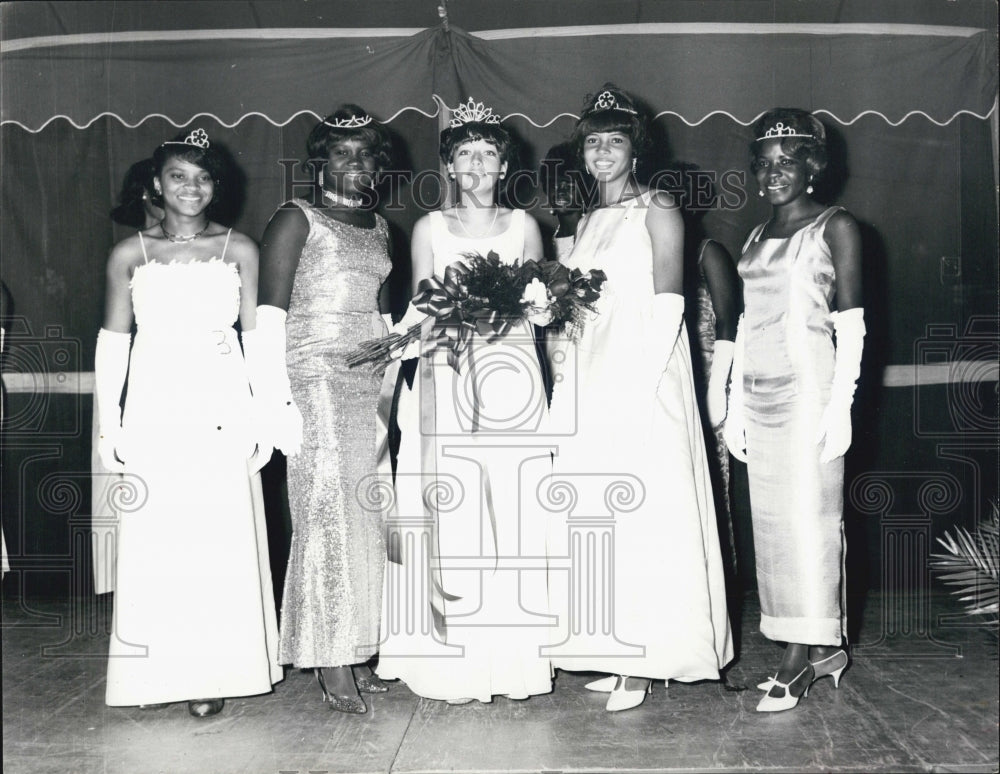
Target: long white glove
734,432
264,350
110,367
410,318
715,398
668,314
835,424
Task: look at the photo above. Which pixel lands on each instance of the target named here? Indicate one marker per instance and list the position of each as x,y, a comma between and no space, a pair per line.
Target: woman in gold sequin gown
790,400
325,262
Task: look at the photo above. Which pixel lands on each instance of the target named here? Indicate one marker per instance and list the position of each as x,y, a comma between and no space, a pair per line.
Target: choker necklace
489,228
182,238
335,198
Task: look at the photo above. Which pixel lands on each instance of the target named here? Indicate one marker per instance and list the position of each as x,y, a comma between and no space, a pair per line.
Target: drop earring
809,188
760,192
635,163
319,178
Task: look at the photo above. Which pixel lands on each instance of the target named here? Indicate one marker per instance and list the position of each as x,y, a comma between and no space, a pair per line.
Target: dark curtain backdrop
923,192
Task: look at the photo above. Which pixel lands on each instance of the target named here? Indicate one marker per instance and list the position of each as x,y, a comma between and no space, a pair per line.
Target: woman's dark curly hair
810,150
324,136
611,109
209,159
472,131
138,183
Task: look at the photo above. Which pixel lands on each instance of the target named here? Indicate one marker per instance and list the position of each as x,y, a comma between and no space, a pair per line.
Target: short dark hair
324,136
472,131
210,159
810,150
626,117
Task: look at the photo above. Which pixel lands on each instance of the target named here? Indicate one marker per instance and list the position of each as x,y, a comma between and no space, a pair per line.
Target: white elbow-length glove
264,348
734,432
412,317
110,368
835,424
715,398
668,314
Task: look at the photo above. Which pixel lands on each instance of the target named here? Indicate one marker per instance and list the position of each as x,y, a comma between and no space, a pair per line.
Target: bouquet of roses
483,295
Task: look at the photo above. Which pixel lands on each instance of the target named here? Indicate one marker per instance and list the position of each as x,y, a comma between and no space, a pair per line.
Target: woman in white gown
194,611
465,619
624,400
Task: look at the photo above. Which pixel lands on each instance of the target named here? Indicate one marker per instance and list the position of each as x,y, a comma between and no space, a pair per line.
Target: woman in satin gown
790,400
323,268
630,445
194,612
466,618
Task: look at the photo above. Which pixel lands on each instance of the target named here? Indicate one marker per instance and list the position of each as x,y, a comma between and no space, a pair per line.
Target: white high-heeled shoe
623,699
823,667
780,703
604,685
607,684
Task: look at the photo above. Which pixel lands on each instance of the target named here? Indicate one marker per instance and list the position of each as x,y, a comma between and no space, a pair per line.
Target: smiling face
608,155
783,178
350,167
186,188
476,165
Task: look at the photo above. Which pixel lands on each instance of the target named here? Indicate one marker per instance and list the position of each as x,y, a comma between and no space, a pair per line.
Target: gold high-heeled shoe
352,705
623,699
786,702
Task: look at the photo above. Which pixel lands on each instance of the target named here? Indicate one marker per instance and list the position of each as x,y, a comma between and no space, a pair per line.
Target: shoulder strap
142,244
754,236
701,249
820,222
226,246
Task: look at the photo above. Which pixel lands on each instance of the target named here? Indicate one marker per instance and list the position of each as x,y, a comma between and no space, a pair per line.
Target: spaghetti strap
142,244
226,246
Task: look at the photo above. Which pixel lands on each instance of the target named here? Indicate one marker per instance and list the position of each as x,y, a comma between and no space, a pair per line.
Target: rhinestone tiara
473,111
780,131
197,138
354,122
607,101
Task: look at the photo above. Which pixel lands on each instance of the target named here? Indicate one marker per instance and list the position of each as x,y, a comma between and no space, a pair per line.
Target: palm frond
970,564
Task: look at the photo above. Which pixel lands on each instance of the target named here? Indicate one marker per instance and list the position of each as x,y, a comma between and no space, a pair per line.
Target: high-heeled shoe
371,683
623,699
780,703
203,708
604,685
607,684
833,665
352,705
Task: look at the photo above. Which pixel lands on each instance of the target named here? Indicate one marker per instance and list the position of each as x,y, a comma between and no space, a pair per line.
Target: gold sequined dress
333,586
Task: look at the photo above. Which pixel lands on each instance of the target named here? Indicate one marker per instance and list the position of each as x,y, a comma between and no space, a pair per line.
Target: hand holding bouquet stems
486,296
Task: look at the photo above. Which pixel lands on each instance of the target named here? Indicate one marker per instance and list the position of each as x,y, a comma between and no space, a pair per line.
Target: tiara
354,122
198,138
473,111
780,131
608,101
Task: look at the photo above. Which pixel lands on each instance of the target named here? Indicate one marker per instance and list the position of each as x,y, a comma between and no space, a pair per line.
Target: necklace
458,214
335,199
181,238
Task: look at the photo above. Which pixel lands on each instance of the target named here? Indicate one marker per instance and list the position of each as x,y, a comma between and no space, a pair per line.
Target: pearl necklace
458,214
182,238
343,201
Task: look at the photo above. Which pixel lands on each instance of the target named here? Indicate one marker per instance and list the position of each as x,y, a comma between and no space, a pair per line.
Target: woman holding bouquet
624,397
323,265
465,426
790,400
